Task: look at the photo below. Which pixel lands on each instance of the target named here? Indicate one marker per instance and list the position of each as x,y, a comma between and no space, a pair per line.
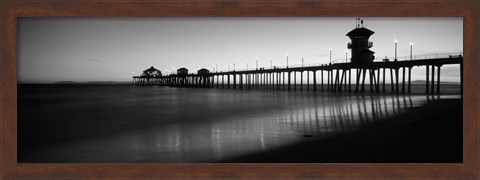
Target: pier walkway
334,77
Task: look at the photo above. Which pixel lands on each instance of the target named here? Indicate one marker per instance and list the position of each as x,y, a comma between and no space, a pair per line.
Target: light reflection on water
287,117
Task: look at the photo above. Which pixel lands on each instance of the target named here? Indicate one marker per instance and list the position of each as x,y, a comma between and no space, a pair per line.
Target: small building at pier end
203,71
360,45
182,71
151,72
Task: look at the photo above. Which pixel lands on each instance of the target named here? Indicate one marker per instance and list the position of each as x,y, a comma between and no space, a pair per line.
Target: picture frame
12,10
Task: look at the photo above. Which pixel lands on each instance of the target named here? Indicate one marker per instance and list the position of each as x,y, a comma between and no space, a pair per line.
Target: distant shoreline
128,82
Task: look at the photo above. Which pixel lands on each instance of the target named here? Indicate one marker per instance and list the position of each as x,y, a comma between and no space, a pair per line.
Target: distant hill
93,82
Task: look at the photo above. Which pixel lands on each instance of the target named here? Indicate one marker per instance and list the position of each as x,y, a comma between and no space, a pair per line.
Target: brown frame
468,9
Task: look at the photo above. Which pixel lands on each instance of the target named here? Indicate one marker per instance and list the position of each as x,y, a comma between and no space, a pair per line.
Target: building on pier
360,45
182,71
150,76
151,72
203,71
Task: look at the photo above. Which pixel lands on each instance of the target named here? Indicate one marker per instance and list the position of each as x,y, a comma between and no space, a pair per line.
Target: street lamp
411,46
330,56
287,60
302,61
256,66
395,50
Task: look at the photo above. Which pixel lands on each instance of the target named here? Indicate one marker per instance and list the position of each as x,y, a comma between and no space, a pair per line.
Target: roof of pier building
151,72
360,32
203,71
182,71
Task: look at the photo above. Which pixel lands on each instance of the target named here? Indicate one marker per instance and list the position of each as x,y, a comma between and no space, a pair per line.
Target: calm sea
124,123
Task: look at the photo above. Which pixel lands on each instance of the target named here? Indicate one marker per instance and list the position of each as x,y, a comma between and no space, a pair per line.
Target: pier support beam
350,80
397,90
301,80
384,79
234,81
294,80
403,80
328,80
289,80
409,79
438,80
363,80
228,80
372,79
308,80
392,83
433,80
359,73
427,80
321,78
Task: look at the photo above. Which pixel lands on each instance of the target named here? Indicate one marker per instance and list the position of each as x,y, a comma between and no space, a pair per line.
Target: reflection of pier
324,118
334,77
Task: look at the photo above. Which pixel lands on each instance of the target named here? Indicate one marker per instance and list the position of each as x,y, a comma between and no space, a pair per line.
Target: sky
52,49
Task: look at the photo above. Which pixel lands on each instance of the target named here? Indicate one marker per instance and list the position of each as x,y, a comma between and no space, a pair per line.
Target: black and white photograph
240,89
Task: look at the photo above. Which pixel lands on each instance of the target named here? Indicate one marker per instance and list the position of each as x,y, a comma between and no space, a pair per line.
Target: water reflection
229,136
306,115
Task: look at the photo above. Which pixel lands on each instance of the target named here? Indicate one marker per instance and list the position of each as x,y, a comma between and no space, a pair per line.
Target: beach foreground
430,133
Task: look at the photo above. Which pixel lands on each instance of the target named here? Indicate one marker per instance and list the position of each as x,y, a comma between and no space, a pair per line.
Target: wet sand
430,133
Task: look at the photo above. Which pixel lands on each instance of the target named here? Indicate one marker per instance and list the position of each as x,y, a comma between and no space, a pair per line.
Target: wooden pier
338,77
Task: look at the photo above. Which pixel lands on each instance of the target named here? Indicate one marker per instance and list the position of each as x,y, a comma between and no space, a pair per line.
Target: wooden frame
10,10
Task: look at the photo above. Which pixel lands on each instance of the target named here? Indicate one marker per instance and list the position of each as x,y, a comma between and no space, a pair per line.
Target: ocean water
124,123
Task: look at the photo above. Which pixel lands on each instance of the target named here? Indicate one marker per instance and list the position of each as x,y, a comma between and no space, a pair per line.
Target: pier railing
377,59
336,76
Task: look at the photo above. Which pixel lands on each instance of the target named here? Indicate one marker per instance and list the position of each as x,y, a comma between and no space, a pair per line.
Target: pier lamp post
411,46
330,56
396,50
256,65
302,61
233,66
287,60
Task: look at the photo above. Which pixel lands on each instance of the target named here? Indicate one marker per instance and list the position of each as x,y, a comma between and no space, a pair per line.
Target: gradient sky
110,49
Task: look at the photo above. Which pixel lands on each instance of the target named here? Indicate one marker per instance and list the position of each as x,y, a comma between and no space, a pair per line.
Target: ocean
126,123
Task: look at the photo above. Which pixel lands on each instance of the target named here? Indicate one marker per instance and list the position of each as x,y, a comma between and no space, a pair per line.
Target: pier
335,76
328,77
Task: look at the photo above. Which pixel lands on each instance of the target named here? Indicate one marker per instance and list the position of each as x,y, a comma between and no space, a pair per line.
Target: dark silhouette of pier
338,75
